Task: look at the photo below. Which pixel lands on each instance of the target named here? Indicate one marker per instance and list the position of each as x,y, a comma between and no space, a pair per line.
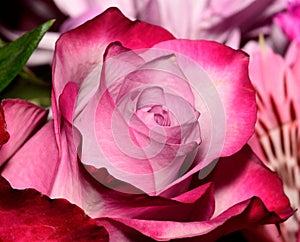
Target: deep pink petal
23,119
34,165
67,101
46,170
120,232
263,233
162,71
240,216
245,177
195,205
4,135
27,215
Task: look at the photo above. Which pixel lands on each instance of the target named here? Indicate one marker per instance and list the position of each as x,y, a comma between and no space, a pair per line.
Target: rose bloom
277,129
148,136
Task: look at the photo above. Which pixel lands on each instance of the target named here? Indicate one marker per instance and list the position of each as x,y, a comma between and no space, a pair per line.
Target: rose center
155,115
161,115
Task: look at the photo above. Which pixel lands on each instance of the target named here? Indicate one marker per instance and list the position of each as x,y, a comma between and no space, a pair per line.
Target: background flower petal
26,215
23,119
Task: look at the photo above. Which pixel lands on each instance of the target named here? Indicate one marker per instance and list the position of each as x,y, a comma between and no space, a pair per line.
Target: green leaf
14,55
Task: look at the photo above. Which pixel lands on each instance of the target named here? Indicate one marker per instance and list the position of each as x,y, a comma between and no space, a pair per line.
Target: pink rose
140,119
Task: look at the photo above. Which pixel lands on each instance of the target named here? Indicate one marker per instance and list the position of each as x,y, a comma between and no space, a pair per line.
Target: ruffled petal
23,119
34,164
4,135
245,176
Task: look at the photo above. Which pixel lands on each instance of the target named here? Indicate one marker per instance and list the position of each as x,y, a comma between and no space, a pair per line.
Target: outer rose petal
29,216
120,232
34,165
45,172
265,233
23,120
245,177
243,215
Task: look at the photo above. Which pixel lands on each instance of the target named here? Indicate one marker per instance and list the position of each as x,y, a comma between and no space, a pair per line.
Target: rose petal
4,135
23,120
28,215
243,215
194,205
120,232
162,71
38,157
236,174
265,233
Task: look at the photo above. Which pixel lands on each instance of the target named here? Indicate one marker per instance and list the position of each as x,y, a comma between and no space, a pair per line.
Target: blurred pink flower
277,136
232,22
289,20
219,20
